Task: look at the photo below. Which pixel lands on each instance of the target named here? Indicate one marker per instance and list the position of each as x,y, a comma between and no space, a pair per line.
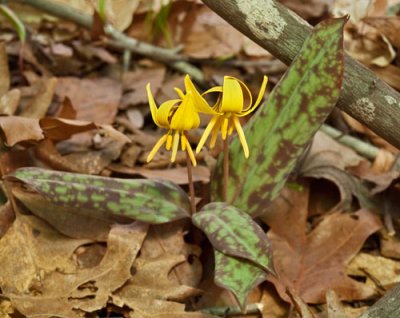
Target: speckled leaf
237,275
280,131
234,233
144,200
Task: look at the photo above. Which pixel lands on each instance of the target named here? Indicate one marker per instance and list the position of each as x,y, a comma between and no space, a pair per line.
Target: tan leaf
9,102
381,269
357,9
41,102
4,70
89,289
7,217
311,263
18,129
94,99
29,250
387,26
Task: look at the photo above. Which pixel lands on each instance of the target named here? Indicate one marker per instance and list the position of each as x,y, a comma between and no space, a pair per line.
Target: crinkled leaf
144,200
234,233
237,275
278,134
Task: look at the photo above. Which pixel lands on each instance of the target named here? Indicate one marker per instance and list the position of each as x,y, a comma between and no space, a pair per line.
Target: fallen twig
120,40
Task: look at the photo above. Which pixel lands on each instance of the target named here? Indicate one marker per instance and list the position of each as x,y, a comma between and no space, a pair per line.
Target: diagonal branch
280,31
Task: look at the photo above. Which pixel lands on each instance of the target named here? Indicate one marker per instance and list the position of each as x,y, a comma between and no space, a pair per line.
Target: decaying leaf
377,269
85,290
310,263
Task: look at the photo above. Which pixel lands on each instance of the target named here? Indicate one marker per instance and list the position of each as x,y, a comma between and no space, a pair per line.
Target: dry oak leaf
16,129
310,263
87,289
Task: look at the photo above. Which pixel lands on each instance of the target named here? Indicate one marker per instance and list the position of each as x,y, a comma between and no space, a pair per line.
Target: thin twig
226,170
190,181
252,309
120,40
366,150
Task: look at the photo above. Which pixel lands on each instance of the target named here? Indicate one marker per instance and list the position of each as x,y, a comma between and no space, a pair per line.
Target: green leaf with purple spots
140,199
237,275
234,233
280,131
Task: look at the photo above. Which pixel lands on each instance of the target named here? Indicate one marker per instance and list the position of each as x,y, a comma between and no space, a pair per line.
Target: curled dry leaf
20,129
311,262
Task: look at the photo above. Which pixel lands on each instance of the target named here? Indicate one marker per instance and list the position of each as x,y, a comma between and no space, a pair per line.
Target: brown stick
282,32
190,182
226,170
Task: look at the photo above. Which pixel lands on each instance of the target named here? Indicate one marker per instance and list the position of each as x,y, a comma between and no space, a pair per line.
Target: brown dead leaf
88,289
4,70
335,308
30,250
5,308
177,175
94,99
7,217
388,26
376,269
390,74
41,102
134,85
9,102
370,48
357,9
311,263
168,239
17,129
211,36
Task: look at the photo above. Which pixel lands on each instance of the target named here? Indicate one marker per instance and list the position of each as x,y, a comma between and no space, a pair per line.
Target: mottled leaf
234,233
144,200
237,275
278,134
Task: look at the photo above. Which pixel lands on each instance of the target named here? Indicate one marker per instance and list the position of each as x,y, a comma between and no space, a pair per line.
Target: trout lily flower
227,110
177,116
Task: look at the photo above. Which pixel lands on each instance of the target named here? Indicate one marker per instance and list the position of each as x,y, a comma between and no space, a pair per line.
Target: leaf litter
74,109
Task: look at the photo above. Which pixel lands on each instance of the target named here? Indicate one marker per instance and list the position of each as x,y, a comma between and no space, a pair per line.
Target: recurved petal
259,98
186,116
232,96
164,112
199,102
152,103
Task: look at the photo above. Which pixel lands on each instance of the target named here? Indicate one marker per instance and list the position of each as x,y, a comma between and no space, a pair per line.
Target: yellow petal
241,135
185,117
152,103
168,145
175,145
232,96
180,93
199,102
164,113
224,128
259,98
206,133
214,133
183,142
157,146
190,153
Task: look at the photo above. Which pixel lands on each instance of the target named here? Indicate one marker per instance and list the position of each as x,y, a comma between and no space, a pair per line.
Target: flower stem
190,181
226,170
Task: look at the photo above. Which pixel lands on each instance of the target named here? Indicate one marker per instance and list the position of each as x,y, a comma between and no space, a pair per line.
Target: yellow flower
178,116
228,109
